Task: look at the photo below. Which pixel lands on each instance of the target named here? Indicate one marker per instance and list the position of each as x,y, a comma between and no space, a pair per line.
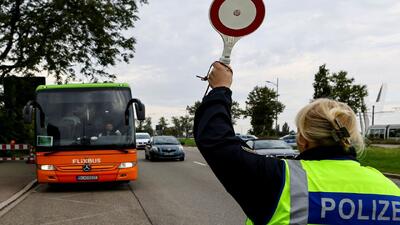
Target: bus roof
89,85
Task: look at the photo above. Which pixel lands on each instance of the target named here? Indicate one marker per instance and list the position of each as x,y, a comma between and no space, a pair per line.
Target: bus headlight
125,165
47,167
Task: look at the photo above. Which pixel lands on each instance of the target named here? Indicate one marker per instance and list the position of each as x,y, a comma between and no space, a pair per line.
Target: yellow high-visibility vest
335,192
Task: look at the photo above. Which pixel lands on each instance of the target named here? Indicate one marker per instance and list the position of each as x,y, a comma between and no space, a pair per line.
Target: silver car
290,139
273,148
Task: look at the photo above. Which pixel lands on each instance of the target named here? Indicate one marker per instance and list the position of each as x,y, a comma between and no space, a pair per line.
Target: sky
175,42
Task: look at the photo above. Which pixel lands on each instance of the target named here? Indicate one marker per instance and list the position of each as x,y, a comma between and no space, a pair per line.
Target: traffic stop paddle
233,19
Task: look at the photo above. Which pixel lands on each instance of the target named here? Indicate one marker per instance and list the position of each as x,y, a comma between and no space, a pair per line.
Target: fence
17,148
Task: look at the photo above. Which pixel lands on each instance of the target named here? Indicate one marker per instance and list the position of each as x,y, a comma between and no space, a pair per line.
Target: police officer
325,185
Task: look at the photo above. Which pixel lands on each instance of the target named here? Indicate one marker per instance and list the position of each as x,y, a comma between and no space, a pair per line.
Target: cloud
176,42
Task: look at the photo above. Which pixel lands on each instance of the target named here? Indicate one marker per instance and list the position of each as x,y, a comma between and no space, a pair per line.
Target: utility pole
373,115
277,98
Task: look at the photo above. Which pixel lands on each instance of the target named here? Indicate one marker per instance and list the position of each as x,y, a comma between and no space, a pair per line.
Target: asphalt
14,176
396,181
185,193
166,193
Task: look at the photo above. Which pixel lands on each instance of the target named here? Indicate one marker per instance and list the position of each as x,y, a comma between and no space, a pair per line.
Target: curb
392,175
13,198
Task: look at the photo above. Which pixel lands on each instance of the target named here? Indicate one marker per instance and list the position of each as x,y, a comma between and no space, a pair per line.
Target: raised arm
253,180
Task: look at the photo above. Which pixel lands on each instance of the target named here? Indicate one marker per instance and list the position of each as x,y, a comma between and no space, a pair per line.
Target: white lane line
199,163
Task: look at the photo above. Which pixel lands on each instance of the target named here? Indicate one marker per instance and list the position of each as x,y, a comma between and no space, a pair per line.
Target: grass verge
188,142
384,159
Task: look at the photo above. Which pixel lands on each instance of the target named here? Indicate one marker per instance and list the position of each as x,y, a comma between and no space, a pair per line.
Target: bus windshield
91,118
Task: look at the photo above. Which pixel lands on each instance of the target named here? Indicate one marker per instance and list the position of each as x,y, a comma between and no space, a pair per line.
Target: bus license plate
87,178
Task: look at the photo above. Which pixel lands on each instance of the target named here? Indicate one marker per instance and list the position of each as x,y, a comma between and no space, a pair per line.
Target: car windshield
270,144
84,118
142,136
166,140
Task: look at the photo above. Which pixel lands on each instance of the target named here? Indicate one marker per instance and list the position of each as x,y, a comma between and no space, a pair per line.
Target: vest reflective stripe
322,192
298,193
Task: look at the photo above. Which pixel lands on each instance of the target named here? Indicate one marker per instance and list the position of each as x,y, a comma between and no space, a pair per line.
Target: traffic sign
237,18
233,19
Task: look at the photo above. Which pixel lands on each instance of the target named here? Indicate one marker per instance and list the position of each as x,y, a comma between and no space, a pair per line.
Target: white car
142,139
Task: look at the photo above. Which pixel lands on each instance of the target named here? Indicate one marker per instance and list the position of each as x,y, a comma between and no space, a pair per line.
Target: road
166,193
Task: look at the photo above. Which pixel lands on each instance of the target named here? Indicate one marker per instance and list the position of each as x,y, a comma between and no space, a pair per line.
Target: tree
162,125
193,108
186,123
322,87
65,37
177,127
262,107
345,91
140,125
341,88
8,123
236,111
182,126
147,126
285,129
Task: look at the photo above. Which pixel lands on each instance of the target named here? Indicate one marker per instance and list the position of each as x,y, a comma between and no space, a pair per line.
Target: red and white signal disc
237,18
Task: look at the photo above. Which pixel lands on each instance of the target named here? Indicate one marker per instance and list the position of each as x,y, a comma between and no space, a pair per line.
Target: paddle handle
229,43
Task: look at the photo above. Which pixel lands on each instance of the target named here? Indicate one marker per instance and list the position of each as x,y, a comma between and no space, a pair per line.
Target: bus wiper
55,151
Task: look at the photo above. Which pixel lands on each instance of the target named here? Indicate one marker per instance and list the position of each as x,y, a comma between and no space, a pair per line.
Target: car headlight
180,148
125,165
154,149
47,167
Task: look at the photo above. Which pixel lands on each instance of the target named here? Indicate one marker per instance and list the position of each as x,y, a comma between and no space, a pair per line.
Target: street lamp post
277,98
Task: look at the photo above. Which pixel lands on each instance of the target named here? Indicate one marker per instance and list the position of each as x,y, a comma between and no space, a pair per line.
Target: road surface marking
75,201
85,217
199,163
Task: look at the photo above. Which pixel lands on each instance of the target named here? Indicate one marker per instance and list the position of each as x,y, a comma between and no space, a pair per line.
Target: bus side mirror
27,113
139,108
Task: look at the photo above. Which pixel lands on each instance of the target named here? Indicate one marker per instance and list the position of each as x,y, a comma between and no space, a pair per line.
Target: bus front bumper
127,174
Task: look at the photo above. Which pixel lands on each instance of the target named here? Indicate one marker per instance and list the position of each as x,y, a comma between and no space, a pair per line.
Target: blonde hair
317,121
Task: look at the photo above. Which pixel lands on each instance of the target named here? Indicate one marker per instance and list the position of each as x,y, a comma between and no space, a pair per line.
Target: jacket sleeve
254,181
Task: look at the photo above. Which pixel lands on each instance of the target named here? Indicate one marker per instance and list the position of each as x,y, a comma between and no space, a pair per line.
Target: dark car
164,147
273,148
290,139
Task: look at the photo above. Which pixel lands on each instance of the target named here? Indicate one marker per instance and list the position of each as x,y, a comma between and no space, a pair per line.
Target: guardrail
17,148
